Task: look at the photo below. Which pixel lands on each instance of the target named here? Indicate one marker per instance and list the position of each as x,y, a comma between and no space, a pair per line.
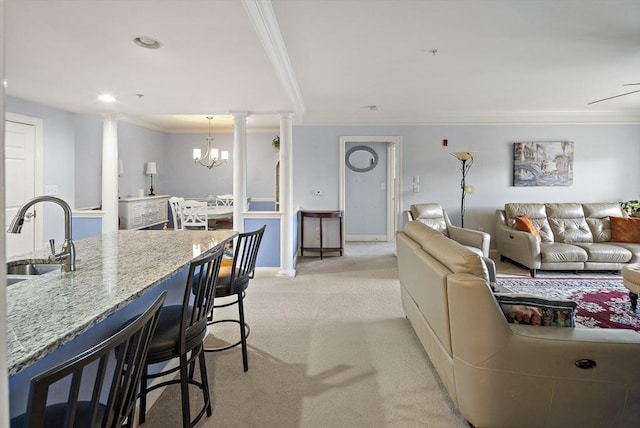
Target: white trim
265,24
393,204
38,182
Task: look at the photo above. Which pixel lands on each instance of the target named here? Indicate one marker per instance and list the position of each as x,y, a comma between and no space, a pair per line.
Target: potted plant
631,207
276,142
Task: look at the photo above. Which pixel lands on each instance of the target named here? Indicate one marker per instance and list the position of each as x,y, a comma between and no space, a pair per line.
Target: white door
20,168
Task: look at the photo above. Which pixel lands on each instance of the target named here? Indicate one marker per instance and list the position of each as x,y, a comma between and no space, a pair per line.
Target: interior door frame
38,182
394,197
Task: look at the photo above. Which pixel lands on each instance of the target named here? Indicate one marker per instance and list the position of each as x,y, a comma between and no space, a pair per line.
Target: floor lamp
466,159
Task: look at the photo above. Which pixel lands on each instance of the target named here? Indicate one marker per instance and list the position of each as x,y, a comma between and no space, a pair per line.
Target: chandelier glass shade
212,156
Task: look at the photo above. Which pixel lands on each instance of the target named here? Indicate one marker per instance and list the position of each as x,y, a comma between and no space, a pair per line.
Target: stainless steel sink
14,279
17,268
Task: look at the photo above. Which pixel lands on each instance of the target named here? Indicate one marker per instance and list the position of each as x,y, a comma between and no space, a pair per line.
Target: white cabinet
138,213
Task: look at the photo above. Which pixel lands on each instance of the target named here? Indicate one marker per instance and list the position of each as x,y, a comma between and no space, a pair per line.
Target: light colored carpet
330,347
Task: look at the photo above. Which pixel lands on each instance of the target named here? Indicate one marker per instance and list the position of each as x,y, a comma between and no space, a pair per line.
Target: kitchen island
113,270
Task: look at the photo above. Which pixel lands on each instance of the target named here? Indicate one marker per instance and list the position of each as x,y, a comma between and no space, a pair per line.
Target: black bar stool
180,332
233,281
129,348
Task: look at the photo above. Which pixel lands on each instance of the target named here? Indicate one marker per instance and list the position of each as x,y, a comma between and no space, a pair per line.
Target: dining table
219,211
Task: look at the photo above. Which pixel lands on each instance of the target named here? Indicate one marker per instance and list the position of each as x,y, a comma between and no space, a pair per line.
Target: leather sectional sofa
510,375
573,236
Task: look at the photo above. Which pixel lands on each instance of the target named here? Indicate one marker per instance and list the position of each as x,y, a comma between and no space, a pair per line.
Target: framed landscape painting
543,164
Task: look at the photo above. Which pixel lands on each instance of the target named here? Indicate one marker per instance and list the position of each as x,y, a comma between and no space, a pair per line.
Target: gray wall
88,149
365,199
605,165
184,178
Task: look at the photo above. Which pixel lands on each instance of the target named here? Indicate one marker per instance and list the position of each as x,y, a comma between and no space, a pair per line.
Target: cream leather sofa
574,237
510,375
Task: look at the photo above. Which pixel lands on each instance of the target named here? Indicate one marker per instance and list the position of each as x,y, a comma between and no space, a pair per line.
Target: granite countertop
112,270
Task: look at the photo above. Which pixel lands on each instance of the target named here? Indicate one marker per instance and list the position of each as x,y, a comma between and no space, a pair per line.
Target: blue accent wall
262,206
269,253
86,227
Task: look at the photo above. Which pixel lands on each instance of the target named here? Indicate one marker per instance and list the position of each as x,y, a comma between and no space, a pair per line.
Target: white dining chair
194,214
225,200
174,203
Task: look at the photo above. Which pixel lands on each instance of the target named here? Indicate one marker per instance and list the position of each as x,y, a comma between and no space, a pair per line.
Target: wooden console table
320,215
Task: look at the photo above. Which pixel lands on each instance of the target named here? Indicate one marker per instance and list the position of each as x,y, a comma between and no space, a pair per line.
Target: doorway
23,169
359,194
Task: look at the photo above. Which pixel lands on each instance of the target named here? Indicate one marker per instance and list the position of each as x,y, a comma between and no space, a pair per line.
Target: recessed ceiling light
146,42
106,98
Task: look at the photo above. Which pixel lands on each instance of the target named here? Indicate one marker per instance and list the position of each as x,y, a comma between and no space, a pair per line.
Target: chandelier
211,156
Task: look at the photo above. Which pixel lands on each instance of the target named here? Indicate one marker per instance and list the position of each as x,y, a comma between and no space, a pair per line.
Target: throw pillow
536,310
625,229
524,224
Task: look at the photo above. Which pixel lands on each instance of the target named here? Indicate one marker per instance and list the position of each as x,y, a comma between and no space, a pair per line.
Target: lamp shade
463,156
151,168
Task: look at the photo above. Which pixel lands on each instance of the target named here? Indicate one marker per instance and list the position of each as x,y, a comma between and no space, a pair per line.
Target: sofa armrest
509,372
406,216
471,238
521,247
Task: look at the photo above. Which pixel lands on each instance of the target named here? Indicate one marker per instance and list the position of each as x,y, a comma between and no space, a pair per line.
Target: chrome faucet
67,255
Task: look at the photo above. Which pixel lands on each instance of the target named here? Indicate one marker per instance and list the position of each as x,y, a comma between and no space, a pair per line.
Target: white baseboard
366,238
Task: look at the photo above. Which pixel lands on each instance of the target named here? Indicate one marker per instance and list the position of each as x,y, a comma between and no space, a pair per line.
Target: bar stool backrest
199,299
245,257
118,362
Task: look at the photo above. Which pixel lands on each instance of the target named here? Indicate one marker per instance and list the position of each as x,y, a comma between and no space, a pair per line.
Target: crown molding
265,24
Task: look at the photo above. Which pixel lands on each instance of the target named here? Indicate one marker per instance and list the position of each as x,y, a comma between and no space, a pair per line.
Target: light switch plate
51,189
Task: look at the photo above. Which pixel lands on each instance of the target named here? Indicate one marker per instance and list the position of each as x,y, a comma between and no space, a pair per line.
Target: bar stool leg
243,334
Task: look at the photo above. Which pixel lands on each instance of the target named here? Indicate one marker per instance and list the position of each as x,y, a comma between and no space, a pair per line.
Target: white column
286,195
239,168
110,173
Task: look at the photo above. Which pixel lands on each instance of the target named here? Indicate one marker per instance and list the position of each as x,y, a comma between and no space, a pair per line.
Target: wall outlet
416,187
318,192
51,189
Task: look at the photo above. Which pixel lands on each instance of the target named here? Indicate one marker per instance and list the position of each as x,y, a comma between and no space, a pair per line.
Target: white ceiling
326,60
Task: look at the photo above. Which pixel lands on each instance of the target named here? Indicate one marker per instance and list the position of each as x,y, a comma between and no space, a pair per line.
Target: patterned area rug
602,303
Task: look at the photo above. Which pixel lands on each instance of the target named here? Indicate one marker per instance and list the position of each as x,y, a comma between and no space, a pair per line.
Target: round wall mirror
361,158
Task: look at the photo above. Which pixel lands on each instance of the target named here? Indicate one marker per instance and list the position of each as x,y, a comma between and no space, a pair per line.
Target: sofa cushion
597,216
633,247
602,252
536,310
558,252
625,229
535,212
431,215
456,257
524,224
568,223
